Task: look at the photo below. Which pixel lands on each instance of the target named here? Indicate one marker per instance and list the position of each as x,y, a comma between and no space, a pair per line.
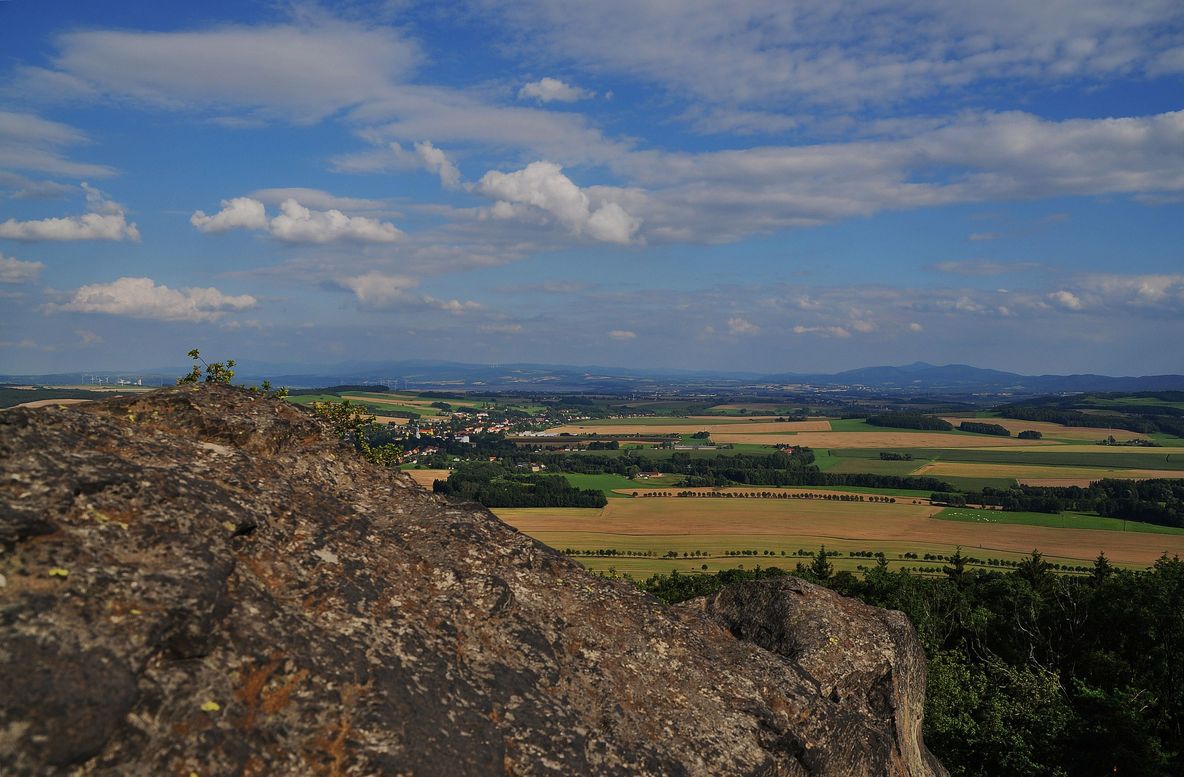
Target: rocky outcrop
203,581
863,659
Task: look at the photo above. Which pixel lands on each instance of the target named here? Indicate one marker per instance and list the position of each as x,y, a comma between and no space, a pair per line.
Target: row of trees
1159,502
768,495
979,427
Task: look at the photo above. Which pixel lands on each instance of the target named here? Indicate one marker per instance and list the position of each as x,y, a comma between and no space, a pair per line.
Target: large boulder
204,581
865,660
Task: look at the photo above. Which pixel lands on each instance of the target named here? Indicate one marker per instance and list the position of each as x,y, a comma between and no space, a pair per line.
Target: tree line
493,485
1030,673
1160,502
910,421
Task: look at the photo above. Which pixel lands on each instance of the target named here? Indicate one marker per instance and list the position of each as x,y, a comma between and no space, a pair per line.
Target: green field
609,483
1062,521
847,465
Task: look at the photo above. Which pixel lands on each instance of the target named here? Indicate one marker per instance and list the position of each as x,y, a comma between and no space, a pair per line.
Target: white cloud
549,89
983,267
105,221
451,305
1066,299
143,298
378,290
503,329
1155,293
543,185
296,223
381,291
622,335
316,198
87,337
302,71
741,326
915,327
15,271
728,195
236,213
821,54
393,156
822,331
316,68
437,162
29,142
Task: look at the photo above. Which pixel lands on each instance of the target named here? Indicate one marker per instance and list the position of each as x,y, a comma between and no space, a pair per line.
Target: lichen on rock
246,595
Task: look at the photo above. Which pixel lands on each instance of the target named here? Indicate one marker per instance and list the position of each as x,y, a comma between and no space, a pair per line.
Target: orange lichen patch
263,572
330,752
279,698
251,689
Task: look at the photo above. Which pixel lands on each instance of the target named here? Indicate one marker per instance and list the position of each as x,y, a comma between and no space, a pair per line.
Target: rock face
863,659
203,581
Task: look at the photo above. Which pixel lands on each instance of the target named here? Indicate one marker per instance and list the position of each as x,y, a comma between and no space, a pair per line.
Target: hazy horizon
762,187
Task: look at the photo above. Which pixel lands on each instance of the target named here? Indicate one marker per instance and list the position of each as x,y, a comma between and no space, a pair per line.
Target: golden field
715,526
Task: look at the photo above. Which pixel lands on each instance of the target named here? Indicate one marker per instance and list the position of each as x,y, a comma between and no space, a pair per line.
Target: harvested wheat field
883,440
714,527
386,419
1173,451
690,426
425,477
51,402
1054,430
1029,472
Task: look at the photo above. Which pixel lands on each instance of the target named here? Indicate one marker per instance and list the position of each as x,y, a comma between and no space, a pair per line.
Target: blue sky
799,185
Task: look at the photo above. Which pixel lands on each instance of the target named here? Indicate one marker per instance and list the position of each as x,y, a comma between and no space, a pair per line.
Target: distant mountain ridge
918,377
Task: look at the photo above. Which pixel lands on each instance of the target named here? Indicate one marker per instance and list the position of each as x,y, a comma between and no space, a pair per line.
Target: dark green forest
1030,673
910,421
493,485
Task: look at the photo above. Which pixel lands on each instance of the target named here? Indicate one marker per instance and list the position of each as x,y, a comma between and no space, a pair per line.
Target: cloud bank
296,223
144,298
